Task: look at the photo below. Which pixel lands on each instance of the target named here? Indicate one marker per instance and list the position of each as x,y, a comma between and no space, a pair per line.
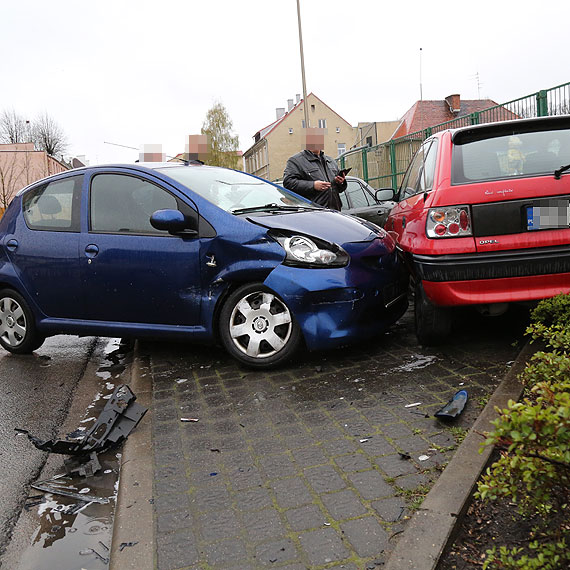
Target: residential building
284,137
371,134
21,165
423,114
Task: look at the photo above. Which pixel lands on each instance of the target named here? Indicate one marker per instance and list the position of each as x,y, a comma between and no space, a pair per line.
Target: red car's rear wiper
560,170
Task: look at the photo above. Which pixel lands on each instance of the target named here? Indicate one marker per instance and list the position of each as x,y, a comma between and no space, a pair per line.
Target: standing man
314,175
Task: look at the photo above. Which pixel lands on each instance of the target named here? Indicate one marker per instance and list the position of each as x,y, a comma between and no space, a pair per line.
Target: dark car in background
360,199
193,252
483,219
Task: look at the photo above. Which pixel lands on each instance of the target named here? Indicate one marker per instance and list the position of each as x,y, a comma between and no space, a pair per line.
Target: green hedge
533,437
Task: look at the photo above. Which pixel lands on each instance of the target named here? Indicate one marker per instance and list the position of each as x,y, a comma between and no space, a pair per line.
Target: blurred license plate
548,215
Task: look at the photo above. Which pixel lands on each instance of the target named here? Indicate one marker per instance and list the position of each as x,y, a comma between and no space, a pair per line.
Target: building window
313,108
322,123
341,147
303,123
290,131
338,129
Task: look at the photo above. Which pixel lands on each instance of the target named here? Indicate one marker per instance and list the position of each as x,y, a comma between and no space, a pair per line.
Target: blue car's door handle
91,250
12,244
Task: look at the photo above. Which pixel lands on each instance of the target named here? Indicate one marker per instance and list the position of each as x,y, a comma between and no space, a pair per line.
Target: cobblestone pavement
316,465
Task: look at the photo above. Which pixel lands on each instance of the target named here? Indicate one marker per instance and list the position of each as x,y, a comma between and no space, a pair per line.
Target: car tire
257,328
433,323
18,333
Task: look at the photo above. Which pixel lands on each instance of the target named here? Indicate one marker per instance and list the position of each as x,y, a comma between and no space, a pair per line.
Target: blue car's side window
124,204
54,206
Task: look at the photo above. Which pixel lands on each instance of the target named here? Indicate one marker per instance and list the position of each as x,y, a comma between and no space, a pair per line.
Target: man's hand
339,179
321,185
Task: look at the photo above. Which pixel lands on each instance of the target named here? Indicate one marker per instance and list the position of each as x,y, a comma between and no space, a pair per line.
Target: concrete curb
431,528
134,511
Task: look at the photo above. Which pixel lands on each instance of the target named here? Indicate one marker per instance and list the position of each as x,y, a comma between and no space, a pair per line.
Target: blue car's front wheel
257,328
17,328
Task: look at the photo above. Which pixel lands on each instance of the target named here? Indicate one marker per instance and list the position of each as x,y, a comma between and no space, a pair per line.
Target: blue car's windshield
231,190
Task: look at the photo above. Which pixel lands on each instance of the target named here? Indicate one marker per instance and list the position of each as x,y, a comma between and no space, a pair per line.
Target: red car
483,219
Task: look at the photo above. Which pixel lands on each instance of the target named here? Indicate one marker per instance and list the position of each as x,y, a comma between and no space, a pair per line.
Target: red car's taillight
449,221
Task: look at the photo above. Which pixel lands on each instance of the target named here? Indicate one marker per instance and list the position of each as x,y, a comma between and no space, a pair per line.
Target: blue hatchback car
191,251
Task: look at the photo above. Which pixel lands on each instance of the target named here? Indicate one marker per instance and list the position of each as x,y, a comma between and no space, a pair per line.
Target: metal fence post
342,163
393,169
474,118
542,104
365,164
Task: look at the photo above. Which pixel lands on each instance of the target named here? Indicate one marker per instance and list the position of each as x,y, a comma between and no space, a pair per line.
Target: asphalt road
36,393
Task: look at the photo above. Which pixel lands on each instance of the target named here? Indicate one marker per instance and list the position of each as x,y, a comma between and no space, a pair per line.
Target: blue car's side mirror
385,194
172,221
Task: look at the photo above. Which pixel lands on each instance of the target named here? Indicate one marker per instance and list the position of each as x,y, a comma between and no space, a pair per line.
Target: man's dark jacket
304,168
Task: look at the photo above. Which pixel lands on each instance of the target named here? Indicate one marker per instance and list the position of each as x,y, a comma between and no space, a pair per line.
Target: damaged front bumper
357,302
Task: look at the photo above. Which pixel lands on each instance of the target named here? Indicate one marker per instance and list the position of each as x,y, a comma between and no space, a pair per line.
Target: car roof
503,128
137,166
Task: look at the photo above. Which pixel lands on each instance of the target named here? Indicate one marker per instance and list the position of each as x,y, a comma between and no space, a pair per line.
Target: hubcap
260,325
12,322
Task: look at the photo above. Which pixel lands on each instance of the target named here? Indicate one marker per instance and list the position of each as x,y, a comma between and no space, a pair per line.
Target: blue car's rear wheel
18,332
257,328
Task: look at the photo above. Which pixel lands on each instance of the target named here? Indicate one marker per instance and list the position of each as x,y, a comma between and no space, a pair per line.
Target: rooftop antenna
422,147
421,88
478,85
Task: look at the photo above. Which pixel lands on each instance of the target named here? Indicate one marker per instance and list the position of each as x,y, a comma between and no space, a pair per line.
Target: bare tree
16,171
13,128
48,135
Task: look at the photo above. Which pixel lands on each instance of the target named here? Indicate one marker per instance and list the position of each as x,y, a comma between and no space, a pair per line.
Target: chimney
289,104
279,112
454,102
298,97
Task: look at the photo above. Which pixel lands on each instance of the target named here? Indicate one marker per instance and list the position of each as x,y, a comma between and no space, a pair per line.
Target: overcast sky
134,72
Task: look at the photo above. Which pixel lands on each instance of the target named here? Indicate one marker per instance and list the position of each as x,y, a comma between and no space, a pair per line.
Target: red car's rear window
506,155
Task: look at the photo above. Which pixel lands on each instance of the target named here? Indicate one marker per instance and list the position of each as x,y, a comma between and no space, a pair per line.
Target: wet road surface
36,392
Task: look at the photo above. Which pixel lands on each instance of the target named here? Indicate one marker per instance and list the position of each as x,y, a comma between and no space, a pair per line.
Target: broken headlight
303,251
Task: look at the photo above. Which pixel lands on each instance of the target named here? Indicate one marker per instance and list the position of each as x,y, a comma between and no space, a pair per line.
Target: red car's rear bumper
498,277
505,290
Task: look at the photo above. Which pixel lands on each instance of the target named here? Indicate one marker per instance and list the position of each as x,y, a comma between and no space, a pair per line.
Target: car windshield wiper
560,170
273,206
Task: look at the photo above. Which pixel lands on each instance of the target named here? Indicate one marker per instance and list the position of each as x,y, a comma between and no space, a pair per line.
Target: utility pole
303,67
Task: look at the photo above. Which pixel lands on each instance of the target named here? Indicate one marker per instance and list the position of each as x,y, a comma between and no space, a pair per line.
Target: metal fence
384,165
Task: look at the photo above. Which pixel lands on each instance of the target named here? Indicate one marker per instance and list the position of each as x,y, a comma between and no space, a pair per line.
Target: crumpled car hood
331,226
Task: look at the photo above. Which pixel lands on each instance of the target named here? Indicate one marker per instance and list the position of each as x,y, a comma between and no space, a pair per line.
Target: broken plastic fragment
119,417
189,420
413,405
423,457
52,486
454,407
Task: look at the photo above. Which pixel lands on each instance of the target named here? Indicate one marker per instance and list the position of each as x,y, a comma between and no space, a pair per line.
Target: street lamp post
302,67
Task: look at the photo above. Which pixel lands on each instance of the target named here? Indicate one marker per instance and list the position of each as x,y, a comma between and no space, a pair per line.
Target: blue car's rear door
44,247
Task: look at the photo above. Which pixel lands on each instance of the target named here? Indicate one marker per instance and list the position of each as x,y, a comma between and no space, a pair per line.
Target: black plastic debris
65,489
82,465
454,407
124,545
119,417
